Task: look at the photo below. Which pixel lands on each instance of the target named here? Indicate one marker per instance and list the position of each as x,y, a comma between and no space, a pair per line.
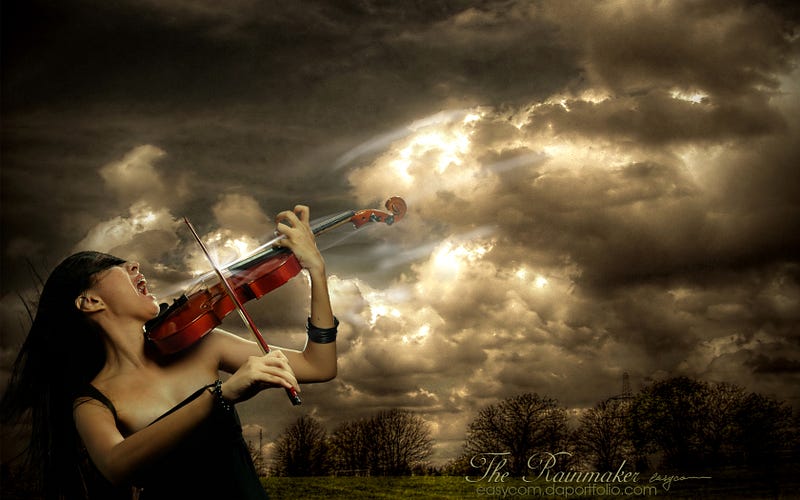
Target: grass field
448,487
777,484
434,487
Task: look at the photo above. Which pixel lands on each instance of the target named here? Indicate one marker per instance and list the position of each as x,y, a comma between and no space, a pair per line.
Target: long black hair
62,353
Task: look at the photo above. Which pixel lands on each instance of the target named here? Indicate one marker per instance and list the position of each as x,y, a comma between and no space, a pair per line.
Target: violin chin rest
163,310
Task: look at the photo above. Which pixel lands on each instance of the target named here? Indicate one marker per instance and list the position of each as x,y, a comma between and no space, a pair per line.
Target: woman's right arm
119,458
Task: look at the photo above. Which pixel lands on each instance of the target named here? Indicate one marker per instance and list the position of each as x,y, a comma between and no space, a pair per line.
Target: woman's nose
133,267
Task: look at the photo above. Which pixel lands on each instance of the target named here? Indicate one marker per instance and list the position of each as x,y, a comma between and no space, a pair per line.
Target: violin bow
291,392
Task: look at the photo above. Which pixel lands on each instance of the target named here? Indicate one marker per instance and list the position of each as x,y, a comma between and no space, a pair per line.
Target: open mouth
141,285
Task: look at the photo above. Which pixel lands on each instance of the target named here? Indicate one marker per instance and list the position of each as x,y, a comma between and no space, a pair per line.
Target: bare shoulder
90,406
95,423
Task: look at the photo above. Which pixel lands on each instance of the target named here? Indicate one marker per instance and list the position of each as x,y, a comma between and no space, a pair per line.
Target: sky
593,188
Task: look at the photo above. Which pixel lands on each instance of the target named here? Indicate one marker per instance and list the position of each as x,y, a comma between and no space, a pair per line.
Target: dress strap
183,403
92,392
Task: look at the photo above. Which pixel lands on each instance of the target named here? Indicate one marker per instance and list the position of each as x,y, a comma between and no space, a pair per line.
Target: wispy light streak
425,250
383,141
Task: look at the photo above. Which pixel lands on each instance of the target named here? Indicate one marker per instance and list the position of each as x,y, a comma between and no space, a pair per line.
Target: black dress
213,462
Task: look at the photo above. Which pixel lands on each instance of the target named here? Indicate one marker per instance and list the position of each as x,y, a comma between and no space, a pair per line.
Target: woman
164,425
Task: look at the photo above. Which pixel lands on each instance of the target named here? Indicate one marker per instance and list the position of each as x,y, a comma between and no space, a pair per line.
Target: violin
190,317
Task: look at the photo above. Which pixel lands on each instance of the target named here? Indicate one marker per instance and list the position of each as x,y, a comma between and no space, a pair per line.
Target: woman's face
124,291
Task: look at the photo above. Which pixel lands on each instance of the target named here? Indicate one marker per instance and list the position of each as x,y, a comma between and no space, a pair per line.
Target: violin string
262,248
333,243
316,225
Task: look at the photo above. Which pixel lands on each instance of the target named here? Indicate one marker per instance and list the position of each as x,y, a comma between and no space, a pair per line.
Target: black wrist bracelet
322,335
216,390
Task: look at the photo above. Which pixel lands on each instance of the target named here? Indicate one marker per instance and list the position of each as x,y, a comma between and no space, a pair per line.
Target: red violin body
192,316
199,313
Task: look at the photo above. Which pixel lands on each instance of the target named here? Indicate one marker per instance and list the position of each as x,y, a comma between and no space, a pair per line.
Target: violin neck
268,250
330,223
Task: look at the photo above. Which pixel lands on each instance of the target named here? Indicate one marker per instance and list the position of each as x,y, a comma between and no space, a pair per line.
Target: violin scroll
395,205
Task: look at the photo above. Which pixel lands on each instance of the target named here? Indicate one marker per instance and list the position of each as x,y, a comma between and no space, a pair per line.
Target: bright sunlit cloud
435,149
418,337
435,154
378,308
540,282
696,97
223,246
450,258
120,231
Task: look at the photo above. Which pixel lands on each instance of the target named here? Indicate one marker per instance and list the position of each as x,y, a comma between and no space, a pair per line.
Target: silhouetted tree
670,416
393,442
602,436
521,425
699,424
350,449
302,449
763,428
718,434
401,442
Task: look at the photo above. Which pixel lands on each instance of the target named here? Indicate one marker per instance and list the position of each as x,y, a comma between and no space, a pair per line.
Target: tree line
678,422
390,443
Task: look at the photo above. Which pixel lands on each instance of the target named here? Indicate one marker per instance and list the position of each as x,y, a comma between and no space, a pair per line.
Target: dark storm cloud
656,117
723,48
778,365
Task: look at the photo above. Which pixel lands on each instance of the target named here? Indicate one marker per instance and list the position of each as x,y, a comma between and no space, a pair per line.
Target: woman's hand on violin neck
259,373
294,224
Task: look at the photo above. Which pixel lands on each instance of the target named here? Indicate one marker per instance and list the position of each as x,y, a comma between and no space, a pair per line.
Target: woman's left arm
317,361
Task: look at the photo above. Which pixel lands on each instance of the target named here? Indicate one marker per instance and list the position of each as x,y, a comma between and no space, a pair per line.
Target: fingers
278,365
294,225
303,213
274,369
299,237
293,218
259,373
